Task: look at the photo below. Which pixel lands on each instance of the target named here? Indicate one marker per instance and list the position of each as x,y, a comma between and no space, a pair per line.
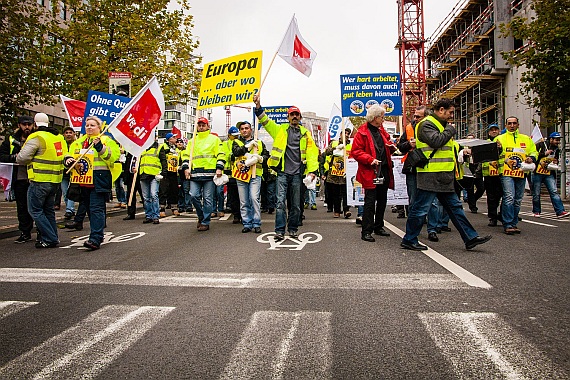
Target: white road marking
463,274
10,307
277,345
233,280
482,345
86,349
530,215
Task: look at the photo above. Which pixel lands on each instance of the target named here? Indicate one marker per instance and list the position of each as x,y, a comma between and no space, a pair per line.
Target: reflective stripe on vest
150,162
444,159
47,167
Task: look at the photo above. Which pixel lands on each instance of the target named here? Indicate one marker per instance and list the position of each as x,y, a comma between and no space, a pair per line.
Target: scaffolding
461,66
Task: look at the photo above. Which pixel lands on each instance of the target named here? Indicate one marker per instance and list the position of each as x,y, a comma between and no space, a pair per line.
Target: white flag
296,51
536,135
134,127
334,126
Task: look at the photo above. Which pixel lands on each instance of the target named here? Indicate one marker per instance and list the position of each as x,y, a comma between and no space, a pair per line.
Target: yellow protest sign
172,160
337,167
231,80
240,171
82,172
513,161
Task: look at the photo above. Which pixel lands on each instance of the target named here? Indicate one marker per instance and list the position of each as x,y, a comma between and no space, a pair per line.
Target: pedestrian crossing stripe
11,307
87,348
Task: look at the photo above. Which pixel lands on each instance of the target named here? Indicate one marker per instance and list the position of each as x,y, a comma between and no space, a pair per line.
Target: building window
62,10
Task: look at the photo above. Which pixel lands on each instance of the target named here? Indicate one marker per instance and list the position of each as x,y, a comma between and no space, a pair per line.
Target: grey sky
349,38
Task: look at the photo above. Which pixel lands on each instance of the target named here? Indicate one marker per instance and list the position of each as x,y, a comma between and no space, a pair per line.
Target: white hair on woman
375,111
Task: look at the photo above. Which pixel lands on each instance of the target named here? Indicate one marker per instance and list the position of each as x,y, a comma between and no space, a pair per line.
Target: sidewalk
9,218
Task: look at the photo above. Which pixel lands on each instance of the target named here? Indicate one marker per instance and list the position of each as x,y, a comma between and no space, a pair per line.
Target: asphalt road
168,302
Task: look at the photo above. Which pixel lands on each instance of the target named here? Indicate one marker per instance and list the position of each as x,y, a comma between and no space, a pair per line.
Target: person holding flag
93,173
294,155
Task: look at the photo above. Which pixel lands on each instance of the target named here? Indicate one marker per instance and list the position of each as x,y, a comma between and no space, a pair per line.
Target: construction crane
229,114
411,44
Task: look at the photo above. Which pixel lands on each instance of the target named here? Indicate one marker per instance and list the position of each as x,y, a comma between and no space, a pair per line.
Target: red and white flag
134,127
176,132
296,51
536,135
74,110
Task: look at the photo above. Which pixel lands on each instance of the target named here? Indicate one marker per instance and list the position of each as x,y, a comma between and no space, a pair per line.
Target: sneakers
23,238
536,214
293,234
313,207
74,226
90,245
347,214
306,206
257,230
563,214
279,236
43,244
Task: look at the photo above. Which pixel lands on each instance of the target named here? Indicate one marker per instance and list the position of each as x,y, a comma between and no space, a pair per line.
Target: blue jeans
218,199
41,199
271,196
96,209
291,183
550,183
120,191
202,196
250,202
513,192
437,217
310,197
69,204
411,187
450,203
149,189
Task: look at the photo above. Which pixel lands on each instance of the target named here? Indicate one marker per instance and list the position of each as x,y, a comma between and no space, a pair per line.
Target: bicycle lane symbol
109,237
294,244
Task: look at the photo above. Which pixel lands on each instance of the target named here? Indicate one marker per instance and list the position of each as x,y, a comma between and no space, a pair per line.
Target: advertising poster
360,91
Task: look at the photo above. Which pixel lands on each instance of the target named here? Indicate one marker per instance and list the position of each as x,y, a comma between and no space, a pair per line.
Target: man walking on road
436,179
8,151
294,155
43,152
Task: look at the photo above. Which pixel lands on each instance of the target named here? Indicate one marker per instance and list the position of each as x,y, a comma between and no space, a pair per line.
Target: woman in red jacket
372,149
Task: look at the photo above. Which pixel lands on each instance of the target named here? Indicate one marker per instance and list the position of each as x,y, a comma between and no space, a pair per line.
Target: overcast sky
349,38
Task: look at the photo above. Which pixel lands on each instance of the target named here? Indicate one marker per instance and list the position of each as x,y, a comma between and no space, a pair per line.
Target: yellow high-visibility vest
48,166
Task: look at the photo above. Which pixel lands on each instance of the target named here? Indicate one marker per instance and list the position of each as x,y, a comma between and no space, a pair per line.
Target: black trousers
132,207
494,191
233,198
168,190
374,207
25,221
337,196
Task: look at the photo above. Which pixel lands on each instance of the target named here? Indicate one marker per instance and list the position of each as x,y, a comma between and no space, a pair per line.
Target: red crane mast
411,45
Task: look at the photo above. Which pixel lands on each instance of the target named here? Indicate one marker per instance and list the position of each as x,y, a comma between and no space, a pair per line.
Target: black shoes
270,211
413,246
147,220
129,217
293,234
246,230
68,215
257,230
368,237
381,232
492,223
432,236
476,241
155,221
74,226
236,220
91,246
279,236
23,238
43,244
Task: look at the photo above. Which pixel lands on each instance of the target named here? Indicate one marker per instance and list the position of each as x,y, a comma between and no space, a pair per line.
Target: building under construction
464,62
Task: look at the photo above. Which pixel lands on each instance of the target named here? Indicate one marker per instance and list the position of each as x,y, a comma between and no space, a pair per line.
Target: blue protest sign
105,106
360,91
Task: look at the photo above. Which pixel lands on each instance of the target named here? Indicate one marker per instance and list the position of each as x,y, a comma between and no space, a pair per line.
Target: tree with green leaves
28,71
48,58
546,56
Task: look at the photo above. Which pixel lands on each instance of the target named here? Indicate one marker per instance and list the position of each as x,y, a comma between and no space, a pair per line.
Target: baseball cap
69,127
169,135
492,126
203,120
25,119
41,119
240,123
293,109
233,131
555,135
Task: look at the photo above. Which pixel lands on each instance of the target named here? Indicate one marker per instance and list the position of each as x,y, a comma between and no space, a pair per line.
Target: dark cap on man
68,128
25,119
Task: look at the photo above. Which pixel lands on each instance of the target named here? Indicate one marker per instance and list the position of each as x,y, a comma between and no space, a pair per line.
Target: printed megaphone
526,167
222,180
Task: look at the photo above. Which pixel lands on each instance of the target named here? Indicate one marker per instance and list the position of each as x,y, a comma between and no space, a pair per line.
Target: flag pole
133,184
191,155
105,127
